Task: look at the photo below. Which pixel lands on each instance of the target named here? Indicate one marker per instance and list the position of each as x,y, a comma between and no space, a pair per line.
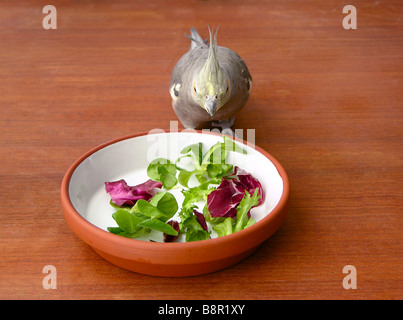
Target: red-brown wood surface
326,102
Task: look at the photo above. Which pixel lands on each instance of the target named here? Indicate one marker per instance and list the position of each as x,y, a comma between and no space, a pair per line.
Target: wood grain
326,102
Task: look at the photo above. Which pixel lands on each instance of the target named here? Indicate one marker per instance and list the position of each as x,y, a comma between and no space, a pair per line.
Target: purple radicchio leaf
200,218
123,194
224,201
249,182
174,224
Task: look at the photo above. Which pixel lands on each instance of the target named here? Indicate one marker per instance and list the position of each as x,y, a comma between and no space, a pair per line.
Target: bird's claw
224,124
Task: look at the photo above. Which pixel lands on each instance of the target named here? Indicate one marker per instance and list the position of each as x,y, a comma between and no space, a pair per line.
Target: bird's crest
211,71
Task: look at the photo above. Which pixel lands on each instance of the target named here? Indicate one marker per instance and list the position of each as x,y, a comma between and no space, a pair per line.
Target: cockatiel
209,84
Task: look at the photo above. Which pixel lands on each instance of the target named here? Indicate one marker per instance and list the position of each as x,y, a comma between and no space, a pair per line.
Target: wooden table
326,102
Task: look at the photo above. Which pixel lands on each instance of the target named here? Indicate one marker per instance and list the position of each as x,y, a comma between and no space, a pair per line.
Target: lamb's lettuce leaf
159,225
163,170
146,215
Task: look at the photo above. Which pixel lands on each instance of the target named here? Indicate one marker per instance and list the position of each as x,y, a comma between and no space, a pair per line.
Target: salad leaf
194,234
249,182
210,165
243,210
200,218
167,178
159,225
198,193
191,226
163,206
146,215
166,203
218,170
147,209
224,228
219,151
128,224
163,170
123,194
196,151
243,219
127,221
194,230
170,238
120,232
223,202
184,177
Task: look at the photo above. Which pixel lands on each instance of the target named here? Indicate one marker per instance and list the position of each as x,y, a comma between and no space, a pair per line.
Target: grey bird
209,84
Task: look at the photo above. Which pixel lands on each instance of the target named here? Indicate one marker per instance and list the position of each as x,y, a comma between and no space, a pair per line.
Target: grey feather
185,72
196,39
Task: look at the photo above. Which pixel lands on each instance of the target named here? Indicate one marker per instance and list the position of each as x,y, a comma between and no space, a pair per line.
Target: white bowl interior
128,159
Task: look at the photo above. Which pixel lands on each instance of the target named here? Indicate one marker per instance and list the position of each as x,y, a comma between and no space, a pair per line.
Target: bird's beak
211,107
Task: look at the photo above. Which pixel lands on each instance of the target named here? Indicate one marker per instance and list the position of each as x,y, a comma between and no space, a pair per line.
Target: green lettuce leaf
247,203
224,228
192,227
211,164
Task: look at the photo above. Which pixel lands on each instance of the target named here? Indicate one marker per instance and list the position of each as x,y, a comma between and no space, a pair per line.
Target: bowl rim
126,244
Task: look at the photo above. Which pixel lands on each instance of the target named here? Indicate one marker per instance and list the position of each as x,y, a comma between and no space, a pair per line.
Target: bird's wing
237,71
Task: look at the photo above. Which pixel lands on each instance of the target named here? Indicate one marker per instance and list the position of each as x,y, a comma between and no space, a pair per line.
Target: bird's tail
195,38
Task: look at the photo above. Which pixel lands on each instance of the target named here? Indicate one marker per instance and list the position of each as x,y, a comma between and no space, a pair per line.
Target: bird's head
211,86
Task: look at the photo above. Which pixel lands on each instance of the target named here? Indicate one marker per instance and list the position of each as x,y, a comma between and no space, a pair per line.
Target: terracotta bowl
87,211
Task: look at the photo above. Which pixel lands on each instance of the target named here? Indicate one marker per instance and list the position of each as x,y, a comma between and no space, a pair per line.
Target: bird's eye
215,97
206,97
194,88
227,89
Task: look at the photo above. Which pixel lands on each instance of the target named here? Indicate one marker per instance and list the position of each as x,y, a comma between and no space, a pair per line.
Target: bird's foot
229,132
225,126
